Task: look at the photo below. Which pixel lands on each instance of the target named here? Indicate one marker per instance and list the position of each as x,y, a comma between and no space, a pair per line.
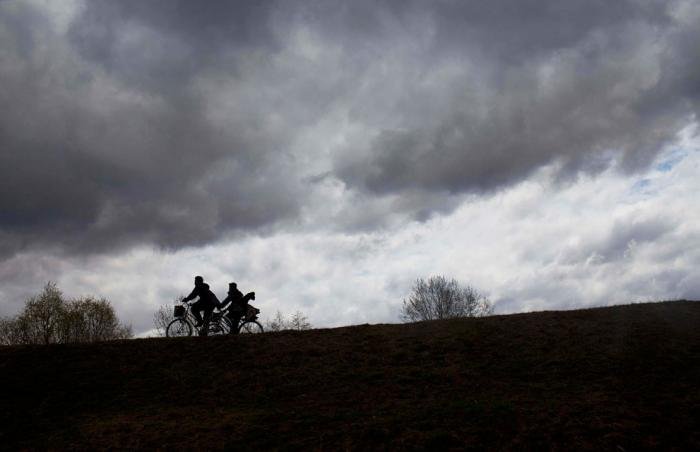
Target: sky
328,154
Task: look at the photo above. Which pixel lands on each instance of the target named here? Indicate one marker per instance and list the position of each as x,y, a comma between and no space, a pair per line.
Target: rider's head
198,280
232,285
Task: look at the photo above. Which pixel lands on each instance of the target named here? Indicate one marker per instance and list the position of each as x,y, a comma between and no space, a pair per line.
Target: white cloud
534,246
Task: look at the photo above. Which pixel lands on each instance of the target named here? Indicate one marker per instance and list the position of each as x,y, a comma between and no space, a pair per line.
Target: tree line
50,318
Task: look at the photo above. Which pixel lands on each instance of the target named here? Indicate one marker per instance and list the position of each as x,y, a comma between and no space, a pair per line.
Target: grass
619,378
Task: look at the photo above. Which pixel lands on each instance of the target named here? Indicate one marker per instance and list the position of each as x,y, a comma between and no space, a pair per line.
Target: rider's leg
196,309
235,317
207,319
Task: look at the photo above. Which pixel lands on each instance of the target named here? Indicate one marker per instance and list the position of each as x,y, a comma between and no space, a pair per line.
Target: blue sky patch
670,160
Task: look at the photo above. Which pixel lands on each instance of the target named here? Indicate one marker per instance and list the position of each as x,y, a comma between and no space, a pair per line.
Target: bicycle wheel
226,325
250,328
179,328
216,328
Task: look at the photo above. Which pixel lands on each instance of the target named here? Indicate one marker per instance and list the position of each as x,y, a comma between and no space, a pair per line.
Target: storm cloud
176,124
507,88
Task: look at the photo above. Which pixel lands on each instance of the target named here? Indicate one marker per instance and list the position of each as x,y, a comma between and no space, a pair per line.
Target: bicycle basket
252,313
179,311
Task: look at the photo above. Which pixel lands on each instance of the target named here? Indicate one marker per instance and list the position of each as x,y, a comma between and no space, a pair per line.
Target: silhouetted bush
48,319
440,298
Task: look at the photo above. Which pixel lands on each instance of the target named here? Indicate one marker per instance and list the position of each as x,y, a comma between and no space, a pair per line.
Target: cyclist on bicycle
238,303
206,303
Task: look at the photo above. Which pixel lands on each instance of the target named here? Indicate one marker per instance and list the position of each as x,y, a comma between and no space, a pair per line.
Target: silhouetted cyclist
206,303
238,304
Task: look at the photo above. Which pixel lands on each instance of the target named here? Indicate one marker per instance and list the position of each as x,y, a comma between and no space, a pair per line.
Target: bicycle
183,324
248,324
219,323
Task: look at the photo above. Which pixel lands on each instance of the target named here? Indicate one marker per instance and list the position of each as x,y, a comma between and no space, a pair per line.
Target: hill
618,378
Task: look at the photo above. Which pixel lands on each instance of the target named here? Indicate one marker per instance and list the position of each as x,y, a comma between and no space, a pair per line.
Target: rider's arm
189,297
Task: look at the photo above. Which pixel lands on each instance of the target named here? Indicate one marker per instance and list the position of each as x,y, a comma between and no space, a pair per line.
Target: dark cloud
103,149
160,45
578,84
176,123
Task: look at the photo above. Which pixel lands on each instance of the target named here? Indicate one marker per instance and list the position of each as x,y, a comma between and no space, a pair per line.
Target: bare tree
277,323
162,318
298,321
164,315
440,298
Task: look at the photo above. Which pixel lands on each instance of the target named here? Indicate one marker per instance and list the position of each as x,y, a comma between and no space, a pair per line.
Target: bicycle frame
190,318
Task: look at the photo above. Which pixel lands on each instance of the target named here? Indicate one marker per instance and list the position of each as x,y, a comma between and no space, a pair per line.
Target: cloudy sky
327,154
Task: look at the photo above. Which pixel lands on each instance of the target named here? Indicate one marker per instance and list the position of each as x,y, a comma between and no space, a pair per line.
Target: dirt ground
622,378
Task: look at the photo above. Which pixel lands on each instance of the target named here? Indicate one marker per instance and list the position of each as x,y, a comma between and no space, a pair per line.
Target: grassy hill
619,378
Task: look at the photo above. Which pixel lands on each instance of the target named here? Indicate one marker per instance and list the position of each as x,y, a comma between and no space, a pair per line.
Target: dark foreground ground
623,378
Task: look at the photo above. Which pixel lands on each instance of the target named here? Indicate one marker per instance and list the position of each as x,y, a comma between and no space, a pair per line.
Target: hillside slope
625,378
